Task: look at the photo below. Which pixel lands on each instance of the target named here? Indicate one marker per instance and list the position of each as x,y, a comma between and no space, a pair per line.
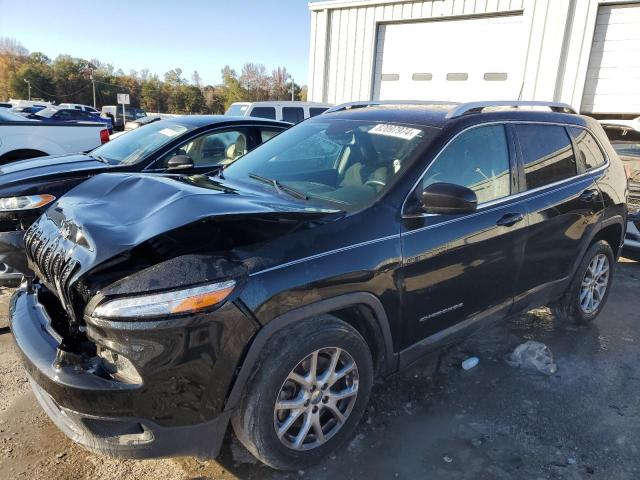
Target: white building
582,52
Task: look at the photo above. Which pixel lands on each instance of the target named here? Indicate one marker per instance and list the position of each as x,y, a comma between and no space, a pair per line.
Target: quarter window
264,112
477,159
547,154
587,150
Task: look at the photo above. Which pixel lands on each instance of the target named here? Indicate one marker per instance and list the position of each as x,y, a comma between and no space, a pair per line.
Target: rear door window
264,112
292,114
268,134
547,154
587,149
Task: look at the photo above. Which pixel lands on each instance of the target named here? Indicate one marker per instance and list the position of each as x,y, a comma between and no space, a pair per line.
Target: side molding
389,366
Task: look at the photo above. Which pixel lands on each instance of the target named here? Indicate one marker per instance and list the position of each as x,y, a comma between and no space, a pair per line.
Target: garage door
613,77
460,60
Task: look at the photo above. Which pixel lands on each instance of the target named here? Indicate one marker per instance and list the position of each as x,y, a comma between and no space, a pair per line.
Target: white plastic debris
533,356
470,362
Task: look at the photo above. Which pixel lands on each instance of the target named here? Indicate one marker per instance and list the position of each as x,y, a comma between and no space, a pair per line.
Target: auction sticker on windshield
397,131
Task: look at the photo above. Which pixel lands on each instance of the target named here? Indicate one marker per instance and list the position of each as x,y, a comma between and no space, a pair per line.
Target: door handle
510,219
589,195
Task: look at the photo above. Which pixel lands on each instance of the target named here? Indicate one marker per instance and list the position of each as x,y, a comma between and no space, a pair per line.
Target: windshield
344,162
137,144
237,110
47,112
627,149
6,116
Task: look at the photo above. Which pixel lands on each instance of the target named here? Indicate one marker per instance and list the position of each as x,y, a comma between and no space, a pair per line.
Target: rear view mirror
448,199
180,162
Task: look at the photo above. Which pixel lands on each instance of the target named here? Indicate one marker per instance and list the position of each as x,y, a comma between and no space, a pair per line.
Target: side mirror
180,162
448,199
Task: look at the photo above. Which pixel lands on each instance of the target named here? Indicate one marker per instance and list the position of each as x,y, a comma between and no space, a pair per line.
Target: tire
256,419
574,305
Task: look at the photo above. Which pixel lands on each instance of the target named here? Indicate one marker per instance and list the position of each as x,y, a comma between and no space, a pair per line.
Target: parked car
6,105
625,139
292,112
81,107
26,138
114,112
56,114
271,293
186,145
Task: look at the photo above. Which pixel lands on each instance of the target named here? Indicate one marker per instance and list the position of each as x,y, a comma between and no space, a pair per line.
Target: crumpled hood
116,212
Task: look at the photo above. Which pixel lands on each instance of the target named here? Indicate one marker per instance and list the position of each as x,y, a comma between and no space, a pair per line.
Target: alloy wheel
316,399
594,284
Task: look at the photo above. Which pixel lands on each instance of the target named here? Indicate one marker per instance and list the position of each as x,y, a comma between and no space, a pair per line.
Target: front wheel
308,394
588,292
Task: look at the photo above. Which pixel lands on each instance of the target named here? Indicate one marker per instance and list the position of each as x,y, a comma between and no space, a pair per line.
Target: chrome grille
48,258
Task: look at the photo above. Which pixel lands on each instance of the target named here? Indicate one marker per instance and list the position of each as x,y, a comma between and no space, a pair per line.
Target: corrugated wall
342,47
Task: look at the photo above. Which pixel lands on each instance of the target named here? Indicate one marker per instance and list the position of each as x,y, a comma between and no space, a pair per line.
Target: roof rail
375,103
477,107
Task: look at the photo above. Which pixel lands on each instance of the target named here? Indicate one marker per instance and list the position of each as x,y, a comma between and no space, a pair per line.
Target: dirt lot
434,421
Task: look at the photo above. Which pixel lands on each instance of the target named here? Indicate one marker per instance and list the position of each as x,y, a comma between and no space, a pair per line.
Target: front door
461,268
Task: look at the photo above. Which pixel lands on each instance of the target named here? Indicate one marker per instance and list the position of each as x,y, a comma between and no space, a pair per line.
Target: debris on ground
447,459
533,356
470,362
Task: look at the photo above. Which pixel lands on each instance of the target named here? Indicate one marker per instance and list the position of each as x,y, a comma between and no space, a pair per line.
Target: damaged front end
132,329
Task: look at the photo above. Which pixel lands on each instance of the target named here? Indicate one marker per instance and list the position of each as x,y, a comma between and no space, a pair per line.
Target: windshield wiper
100,159
279,186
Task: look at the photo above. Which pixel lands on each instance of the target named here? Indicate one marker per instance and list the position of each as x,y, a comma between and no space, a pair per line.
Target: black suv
271,293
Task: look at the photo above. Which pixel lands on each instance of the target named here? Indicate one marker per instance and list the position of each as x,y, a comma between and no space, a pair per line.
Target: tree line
68,79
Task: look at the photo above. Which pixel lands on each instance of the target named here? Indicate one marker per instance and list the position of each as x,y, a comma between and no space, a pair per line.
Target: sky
202,35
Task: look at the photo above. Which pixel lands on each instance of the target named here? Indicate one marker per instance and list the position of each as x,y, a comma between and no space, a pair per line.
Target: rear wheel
588,292
307,396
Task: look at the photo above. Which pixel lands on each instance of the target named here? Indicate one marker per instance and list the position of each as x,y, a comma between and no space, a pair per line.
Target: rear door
461,268
563,203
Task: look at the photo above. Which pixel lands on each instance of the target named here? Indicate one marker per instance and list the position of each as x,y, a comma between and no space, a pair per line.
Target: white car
22,138
292,112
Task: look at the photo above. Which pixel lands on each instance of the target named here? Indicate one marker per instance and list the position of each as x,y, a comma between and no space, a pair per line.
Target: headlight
168,303
29,202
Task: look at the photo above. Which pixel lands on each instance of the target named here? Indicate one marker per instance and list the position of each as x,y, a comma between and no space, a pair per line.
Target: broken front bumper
162,416
13,260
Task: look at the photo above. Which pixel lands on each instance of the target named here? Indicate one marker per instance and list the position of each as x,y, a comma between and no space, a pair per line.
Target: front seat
363,170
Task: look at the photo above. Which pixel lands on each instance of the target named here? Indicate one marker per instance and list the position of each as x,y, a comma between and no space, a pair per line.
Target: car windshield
237,110
6,116
47,112
137,144
627,149
344,162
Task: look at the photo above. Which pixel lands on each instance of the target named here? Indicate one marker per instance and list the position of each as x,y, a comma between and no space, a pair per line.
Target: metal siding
350,71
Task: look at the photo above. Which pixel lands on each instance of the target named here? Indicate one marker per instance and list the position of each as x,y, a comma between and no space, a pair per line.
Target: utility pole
93,84
293,84
29,86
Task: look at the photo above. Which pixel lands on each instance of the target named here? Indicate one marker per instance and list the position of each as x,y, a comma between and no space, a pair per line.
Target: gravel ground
433,421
